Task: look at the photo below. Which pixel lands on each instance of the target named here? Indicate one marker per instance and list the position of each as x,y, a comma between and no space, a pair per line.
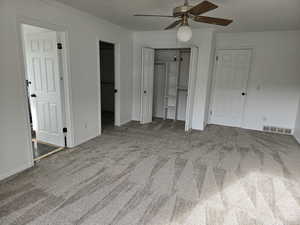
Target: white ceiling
248,15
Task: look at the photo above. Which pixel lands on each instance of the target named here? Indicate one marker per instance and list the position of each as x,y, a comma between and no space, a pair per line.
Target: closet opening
170,86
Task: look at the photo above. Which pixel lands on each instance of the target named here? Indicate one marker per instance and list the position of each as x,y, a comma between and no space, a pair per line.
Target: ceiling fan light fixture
184,33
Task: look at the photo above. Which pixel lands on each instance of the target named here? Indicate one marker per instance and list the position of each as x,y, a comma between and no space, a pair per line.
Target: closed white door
147,85
45,89
230,87
191,88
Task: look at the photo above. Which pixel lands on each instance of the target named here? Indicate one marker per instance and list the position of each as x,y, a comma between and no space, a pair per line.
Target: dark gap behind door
107,74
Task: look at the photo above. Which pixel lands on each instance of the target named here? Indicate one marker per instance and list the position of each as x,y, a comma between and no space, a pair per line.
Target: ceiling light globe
184,33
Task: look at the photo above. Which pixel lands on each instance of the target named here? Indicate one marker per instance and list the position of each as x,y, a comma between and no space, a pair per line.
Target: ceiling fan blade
154,15
173,24
203,7
213,20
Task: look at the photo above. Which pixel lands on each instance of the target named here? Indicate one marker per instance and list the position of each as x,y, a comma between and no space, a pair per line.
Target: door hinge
59,46
28,83
65,130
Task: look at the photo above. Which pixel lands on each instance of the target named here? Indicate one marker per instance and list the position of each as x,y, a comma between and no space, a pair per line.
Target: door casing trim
63,33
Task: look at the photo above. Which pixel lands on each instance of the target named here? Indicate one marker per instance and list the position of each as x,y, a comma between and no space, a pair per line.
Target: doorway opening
170,87
168,78
107,79
45,89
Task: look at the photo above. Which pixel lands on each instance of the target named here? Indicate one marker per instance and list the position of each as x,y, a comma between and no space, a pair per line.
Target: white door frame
213,87
117,55
66,77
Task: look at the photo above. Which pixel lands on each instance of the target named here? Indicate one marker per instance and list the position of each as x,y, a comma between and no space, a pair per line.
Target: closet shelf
170,107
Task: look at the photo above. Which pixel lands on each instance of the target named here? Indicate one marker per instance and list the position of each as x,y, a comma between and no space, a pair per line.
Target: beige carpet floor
158,175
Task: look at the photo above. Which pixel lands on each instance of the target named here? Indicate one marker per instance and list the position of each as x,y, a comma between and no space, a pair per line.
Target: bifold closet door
191,88
147,85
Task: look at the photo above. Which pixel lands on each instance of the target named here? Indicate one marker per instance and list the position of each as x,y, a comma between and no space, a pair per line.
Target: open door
191,88
147,85
44,87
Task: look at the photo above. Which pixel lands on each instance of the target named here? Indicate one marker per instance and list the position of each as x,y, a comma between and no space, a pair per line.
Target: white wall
203,39
84,32
297,125
274,84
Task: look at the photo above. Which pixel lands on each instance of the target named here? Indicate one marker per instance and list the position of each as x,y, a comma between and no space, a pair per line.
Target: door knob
145,92
243,93
33,96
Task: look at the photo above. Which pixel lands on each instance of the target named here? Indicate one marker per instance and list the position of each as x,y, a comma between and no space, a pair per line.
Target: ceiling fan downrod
185,20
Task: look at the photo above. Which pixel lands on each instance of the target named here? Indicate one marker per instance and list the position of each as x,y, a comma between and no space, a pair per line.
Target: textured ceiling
248,15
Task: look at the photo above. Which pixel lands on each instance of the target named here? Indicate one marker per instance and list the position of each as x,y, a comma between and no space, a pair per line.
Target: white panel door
147,85
191,88
45,90
230,87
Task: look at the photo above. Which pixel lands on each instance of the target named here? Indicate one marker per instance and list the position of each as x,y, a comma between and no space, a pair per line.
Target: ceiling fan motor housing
181,10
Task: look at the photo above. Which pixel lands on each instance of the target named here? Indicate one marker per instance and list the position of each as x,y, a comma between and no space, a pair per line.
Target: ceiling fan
186,12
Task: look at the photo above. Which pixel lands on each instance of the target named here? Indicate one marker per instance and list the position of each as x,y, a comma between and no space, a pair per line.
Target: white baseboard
15,171
124,122
198,128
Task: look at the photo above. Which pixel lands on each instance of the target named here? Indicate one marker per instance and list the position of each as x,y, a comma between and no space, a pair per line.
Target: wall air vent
277,130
